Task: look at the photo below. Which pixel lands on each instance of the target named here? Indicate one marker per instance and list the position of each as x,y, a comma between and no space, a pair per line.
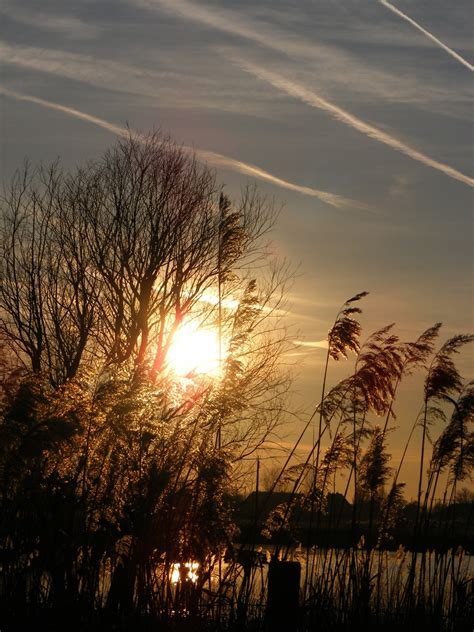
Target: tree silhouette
108,460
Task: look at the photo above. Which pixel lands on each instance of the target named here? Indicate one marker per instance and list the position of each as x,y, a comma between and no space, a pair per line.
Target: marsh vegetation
122,463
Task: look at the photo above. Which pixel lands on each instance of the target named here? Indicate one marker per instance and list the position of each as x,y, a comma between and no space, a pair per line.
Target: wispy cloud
336,68
167,87
85,68
400,185
69,26
213,158
309,97
434,39
232,23
315,344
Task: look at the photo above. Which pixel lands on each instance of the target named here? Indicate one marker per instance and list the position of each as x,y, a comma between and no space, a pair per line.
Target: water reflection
187,572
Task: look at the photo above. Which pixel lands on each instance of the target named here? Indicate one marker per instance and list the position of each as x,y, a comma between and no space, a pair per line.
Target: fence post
283,596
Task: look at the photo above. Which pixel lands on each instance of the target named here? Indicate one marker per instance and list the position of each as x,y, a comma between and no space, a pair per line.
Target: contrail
231,24
311,98
336,64
252,170
218,160
115,129
434,39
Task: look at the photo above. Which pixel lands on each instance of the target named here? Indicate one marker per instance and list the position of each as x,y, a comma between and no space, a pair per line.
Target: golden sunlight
195,350
186,572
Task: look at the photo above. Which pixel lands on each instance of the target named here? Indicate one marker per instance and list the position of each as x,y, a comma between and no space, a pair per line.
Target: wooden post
283,595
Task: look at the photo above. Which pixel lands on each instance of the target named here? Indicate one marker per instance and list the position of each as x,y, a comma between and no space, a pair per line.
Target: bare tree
108,261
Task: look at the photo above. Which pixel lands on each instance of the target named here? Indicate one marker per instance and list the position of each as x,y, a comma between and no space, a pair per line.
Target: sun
195,350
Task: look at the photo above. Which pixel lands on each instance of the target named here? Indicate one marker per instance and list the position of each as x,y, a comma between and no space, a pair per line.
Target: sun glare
194,350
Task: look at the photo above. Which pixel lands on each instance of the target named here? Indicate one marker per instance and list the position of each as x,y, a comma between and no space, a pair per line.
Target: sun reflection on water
184,572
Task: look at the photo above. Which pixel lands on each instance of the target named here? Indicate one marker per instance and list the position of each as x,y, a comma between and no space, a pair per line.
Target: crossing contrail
434,39
217,160
314,100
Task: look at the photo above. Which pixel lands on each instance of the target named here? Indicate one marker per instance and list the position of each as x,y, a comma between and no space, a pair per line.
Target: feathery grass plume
434,414
242,324
456,432
373,469
372,385
443,380
462,463
392,511
301,473
378,368
232,236
372,474
454,448
345,332
245,314
335,402
343,336
370,388
279,520
416,353
337,456
443,377
314,484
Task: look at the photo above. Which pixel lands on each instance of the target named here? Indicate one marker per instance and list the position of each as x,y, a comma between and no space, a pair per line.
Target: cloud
400,185
231,23
167,87
312,99
84,68
434,39
315,344
70,26
213,158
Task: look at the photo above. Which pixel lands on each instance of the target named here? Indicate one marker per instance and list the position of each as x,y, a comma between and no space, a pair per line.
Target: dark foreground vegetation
118,476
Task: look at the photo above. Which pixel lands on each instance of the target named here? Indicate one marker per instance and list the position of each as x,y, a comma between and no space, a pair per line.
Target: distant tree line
451,524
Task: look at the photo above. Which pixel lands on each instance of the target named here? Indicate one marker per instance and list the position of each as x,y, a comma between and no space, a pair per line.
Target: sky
356,115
